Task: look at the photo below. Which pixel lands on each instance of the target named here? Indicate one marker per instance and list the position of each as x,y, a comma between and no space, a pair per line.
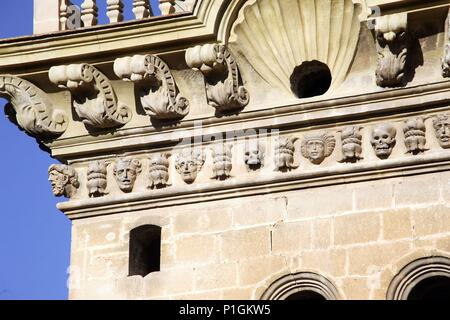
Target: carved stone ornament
96,179
317,147
159,170
157,89
392,49
64,180
94,99
441,125
126,170
31,109
222,161
415,140
284,153
224,89
351,144
383,140
254,155
188,163
446,57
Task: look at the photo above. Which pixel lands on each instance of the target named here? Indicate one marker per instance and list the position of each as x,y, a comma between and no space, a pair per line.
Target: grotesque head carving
284,153
317,147
441,126
222,161
414,131
254,155
126,171
159,170
64,180
188,163
96,176
383,140
351,144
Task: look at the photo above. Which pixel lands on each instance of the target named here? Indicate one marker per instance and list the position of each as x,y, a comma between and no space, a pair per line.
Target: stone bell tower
244,149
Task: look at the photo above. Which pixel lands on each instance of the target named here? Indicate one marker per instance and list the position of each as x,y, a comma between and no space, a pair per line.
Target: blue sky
34,235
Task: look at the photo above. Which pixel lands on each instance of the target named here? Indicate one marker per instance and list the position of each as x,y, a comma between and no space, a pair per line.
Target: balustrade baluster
89,13
114,10
142,9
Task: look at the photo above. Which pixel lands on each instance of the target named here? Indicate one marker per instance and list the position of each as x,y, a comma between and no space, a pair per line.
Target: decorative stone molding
383,140
157,89
415,272
189,162
31,109
223,85
318,146
284,153
415,140
276,36
446,57
441,125
222,161
126,170
174,6
96,179
351,144
254,155
64,180
293,284
392,49
159,171
94,99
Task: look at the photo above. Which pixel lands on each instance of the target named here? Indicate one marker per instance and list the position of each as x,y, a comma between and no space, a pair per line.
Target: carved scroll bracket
157,88
31,109
224,89
446,57
94,99
392,49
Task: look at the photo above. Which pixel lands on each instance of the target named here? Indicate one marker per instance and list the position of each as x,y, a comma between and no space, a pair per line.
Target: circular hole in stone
310,79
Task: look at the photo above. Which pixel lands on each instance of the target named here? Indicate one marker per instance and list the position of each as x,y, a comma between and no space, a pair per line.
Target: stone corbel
157,89
392,49
224,89
94,99
31,109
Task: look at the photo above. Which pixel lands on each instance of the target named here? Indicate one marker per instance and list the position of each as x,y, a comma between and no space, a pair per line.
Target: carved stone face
126,172
315,150
441,126
351,144
58,182
188,170
383,140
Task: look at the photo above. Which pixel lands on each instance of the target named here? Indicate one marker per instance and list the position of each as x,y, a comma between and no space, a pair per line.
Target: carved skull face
58,182
442,129
126,172
383,140
315,150
252,157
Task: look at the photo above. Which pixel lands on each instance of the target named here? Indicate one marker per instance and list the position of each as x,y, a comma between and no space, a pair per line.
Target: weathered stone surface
197,249
373,195
417,190
331,262
255,270
216,276
397,224
322,233
357,228
431,220
169,282
245,243
264,211
291,237
207,220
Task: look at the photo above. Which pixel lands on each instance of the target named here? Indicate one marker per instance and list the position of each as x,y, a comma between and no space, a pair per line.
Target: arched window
423,279
145,250
301,286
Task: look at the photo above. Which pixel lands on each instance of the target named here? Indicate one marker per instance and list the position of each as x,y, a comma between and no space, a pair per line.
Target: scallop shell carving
277,35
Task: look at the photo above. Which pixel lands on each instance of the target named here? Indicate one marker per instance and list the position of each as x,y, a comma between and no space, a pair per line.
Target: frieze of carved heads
284,153
383,140
31,109
155,84
224,89
97,179
446,57
158,171
222,161
188,163
254,155
351,139
415,140
94,98
441,125
318,146
392,49
64,180
126,170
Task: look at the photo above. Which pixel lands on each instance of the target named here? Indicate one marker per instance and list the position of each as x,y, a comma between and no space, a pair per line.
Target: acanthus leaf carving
224,90
392,49
94,99
31,109
156,85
